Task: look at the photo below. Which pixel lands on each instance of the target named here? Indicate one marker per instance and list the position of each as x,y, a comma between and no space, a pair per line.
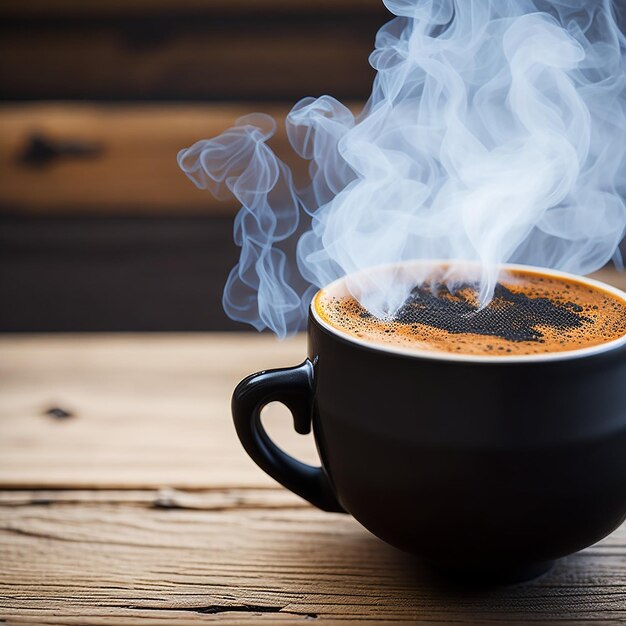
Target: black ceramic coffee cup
483,466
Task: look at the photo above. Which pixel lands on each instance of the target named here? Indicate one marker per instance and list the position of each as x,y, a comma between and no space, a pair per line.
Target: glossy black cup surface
481,467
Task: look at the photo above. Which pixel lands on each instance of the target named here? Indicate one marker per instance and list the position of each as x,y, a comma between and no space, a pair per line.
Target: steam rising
495,132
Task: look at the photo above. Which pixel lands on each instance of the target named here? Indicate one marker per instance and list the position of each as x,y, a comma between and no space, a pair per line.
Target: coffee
530,313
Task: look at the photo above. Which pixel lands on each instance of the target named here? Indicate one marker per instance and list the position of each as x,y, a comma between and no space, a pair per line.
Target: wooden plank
60,274
247,53
134,170
119,273
146,411
43,8
99,563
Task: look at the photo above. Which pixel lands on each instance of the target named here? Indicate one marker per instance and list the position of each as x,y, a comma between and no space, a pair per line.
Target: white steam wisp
495,132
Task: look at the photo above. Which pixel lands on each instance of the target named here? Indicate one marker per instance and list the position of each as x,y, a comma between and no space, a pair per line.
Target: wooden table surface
140,506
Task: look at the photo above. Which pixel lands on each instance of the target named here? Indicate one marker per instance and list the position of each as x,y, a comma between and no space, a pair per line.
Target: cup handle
293,386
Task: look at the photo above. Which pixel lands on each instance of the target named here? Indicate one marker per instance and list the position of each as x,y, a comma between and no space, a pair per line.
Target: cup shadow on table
386,577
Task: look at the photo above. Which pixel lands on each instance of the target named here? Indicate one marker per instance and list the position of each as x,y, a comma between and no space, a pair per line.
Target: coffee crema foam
530,313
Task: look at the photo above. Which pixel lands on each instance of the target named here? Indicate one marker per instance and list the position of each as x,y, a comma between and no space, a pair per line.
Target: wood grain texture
125,498
134,170
118,562
146,411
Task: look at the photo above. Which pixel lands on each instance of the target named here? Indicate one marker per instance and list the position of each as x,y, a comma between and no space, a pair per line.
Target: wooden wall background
99,230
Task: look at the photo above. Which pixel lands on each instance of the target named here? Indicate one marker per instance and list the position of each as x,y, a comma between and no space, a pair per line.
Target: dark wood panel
79,274
211,55
118,8
117,273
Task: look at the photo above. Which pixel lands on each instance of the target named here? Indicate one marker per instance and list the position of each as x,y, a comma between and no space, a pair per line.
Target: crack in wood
148,506
29,533
163,499
213,609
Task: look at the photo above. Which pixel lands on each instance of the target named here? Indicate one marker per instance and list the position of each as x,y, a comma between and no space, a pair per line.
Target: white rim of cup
475,358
